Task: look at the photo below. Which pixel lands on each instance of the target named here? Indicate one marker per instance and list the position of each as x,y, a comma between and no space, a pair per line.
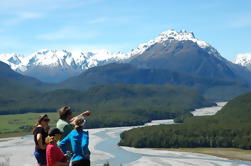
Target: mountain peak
170,35
244,60
181,35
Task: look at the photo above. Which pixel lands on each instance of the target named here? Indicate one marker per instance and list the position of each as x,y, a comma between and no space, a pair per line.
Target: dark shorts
41,157
83,162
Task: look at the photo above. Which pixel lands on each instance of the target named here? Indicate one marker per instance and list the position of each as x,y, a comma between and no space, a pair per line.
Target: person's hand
87,154
86,113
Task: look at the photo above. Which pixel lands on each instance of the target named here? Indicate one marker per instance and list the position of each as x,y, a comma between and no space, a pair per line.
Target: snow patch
243,59
169,35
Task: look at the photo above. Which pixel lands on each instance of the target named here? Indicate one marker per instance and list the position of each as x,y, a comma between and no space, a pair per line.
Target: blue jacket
79,141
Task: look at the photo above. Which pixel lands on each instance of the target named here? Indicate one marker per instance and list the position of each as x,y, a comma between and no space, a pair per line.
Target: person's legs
41,158
84,162
75,163
87,162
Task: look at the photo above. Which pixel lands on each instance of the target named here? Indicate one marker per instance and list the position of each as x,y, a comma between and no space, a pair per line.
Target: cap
54,131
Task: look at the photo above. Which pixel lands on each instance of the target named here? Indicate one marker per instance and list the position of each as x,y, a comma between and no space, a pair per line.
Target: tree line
231,127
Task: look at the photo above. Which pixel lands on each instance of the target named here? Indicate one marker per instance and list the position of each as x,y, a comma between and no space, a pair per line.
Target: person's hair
77,122
49,139
51,135
64,112
40,119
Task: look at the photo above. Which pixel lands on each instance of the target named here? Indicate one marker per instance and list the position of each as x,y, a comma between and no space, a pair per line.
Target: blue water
122,157
109,145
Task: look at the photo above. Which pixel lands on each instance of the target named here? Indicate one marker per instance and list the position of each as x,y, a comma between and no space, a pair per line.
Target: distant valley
145,84
173,57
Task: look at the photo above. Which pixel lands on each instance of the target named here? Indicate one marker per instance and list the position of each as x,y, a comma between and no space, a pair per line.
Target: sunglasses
46,120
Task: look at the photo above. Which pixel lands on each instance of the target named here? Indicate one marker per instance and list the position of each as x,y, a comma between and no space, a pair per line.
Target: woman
79,141
39,138
54,155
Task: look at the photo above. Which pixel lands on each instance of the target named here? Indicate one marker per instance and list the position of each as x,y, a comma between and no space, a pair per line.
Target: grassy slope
11,125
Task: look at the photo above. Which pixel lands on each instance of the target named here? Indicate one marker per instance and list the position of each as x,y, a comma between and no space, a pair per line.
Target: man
64,122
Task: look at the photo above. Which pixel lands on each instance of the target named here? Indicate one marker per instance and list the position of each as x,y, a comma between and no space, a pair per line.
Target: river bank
178,158
230,153
104,148
128,156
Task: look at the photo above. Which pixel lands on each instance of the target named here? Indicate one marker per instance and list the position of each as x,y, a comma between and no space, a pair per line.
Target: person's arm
64,142
85,143
84,114
40,141
51,153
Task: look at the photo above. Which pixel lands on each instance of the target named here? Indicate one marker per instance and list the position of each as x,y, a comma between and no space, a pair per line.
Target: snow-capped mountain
12,59
57,65
178,51
244,60
182,52
172,35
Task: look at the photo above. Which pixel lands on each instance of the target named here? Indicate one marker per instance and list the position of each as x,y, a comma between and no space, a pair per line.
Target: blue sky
120,25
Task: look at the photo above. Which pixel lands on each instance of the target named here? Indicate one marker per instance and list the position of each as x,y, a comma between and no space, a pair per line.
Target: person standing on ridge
54,155
40,133
79,141
64,122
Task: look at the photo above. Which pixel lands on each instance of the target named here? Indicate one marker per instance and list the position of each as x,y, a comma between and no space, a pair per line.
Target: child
54,155
79,141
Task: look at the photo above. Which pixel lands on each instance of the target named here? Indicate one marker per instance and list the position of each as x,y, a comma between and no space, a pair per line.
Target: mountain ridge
58,65
124,73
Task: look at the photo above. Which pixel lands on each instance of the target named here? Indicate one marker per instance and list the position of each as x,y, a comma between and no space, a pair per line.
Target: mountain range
176,51
172,58
57,65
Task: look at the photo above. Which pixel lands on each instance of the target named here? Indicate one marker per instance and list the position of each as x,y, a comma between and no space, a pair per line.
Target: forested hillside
214,89
231,127
112,105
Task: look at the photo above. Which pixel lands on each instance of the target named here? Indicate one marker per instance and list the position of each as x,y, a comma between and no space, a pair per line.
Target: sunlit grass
21,124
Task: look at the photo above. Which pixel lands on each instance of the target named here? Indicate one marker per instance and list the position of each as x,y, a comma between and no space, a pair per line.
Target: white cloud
67,33
244,22
113,20
99,20
13,12
240,21
42,5
23,16
113,47
10,43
